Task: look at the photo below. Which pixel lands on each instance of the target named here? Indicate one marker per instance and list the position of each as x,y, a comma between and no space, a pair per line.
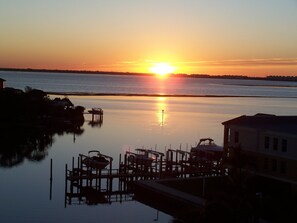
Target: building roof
286,124
2,79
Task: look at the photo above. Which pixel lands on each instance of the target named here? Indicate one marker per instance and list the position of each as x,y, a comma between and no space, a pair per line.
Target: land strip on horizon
221,76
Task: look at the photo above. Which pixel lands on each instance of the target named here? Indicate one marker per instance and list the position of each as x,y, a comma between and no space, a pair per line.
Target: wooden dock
83,179
97,116
171,193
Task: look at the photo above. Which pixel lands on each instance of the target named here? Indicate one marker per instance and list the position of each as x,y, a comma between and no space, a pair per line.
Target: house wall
1,84
247,138
286,144
263,152
270,166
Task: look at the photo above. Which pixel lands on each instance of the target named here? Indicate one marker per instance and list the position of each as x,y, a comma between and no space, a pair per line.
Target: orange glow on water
161,110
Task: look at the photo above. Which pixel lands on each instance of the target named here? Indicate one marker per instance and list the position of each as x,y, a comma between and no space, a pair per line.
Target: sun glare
162,69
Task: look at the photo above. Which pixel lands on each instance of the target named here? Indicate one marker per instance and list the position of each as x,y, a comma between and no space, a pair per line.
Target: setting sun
162,69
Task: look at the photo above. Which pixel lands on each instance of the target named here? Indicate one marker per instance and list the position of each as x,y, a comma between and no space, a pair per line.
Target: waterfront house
263,144
2,83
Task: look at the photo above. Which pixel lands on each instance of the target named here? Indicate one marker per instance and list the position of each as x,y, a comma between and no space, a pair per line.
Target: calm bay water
129,122
150,85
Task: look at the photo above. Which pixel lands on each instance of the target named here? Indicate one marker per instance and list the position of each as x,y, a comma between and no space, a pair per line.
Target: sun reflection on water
161,111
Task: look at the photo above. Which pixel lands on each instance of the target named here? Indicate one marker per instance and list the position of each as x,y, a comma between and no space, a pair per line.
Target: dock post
125,163
65,186
51,170
72,163
110,165
110,184
203,187
160,168
120,160
99,179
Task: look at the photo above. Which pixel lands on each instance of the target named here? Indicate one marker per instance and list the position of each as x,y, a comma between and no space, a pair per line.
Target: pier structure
97,116
91,184
176,162
85,180
143,163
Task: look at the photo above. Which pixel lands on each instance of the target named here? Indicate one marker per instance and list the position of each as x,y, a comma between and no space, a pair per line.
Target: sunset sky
244,37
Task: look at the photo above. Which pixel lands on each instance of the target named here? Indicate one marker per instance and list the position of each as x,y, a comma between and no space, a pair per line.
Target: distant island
224,76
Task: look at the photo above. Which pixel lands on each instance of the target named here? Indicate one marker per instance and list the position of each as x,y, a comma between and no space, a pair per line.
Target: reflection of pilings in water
97,117
96,121
162,123
66,185
51,178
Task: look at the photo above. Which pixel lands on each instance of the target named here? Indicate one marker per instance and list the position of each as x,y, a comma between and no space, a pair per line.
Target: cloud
129,62
249,62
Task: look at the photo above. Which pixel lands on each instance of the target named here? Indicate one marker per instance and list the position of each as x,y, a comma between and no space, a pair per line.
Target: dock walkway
170,192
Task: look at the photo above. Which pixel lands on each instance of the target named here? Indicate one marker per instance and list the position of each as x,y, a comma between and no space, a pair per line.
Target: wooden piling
51,170
66,186
203,187
72,163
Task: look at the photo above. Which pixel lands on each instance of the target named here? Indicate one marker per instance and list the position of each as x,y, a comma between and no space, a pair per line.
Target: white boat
207,144
206,150
142,157
96,160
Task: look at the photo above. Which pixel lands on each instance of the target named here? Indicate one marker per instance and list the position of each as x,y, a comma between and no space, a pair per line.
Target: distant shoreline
226,76
159,95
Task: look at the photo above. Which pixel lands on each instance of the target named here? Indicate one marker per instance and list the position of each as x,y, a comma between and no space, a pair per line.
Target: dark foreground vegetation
29,119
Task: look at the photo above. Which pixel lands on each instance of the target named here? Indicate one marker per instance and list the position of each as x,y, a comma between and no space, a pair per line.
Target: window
266,142
284,145
265,163
274,165
283,167
275,143
236,137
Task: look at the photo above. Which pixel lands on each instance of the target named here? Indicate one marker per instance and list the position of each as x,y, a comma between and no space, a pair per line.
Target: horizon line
144,73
